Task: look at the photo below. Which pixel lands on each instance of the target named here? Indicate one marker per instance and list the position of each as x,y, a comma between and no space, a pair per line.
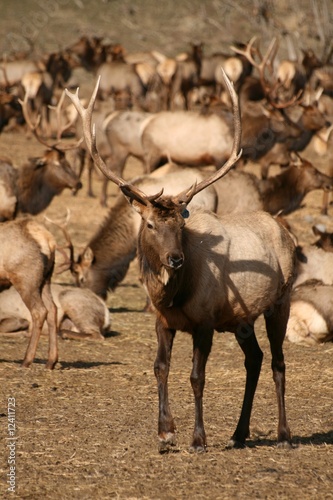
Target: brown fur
27,255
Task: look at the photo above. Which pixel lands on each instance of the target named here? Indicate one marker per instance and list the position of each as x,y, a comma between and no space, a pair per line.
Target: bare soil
88,429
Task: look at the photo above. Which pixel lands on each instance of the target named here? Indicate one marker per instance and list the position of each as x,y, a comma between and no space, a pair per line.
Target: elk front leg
166,426
202,344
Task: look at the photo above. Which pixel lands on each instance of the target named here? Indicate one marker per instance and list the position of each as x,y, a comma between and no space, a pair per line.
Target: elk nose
176,261
77,187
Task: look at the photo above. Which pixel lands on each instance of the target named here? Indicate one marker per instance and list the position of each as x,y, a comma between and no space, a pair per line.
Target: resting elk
204,273
311,320
80,313
27,255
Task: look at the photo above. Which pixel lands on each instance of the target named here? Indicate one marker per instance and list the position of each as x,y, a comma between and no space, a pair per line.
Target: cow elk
205,273
27,255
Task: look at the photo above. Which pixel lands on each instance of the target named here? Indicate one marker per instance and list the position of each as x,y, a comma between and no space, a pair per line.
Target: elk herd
230,144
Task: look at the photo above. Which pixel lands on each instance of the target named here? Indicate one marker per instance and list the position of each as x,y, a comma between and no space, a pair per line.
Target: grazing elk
27,254
80,313
311,314
205,273
104,262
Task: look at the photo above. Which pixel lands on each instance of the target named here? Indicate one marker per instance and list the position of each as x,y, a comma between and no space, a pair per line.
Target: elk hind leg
51,319
253,359
276,324
38,312
202,344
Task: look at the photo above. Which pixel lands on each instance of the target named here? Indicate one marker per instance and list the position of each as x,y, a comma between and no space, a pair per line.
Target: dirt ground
88,429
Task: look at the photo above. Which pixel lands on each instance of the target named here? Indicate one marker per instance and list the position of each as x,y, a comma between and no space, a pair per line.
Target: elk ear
87,257
38,162
295,158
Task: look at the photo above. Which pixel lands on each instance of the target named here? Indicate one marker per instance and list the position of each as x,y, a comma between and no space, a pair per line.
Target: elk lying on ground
205,273
27,254
311,314
104,262
80,313
315,262
284,192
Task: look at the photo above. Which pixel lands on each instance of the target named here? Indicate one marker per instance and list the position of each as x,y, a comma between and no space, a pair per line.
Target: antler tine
61,129
247,52
89,133
186,196
68,261
34,127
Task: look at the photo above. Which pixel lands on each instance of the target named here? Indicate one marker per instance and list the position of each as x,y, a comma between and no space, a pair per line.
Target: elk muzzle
175,260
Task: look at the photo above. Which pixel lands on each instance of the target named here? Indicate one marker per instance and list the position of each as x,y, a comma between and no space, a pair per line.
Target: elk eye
150,225
185,213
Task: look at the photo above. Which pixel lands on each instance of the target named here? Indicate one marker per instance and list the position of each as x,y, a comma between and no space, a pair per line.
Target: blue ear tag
185,213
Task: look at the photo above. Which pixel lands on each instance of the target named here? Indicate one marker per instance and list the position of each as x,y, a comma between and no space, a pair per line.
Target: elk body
119,76
80,313
27,255
311,319
186,137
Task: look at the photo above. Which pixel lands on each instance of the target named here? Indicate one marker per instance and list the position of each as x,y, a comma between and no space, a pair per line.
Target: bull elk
43,177
205,273
104,261
27,255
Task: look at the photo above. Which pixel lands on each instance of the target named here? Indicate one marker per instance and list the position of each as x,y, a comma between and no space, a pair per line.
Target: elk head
54,156
160,214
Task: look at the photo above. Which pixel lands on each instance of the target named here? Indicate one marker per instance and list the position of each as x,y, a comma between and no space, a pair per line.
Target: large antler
262,64
60,127
187,195
34,126
89,133
68,262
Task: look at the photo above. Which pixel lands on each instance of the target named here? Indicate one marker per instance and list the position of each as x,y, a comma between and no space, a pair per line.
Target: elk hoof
197,449
284,445
167,443
234,444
